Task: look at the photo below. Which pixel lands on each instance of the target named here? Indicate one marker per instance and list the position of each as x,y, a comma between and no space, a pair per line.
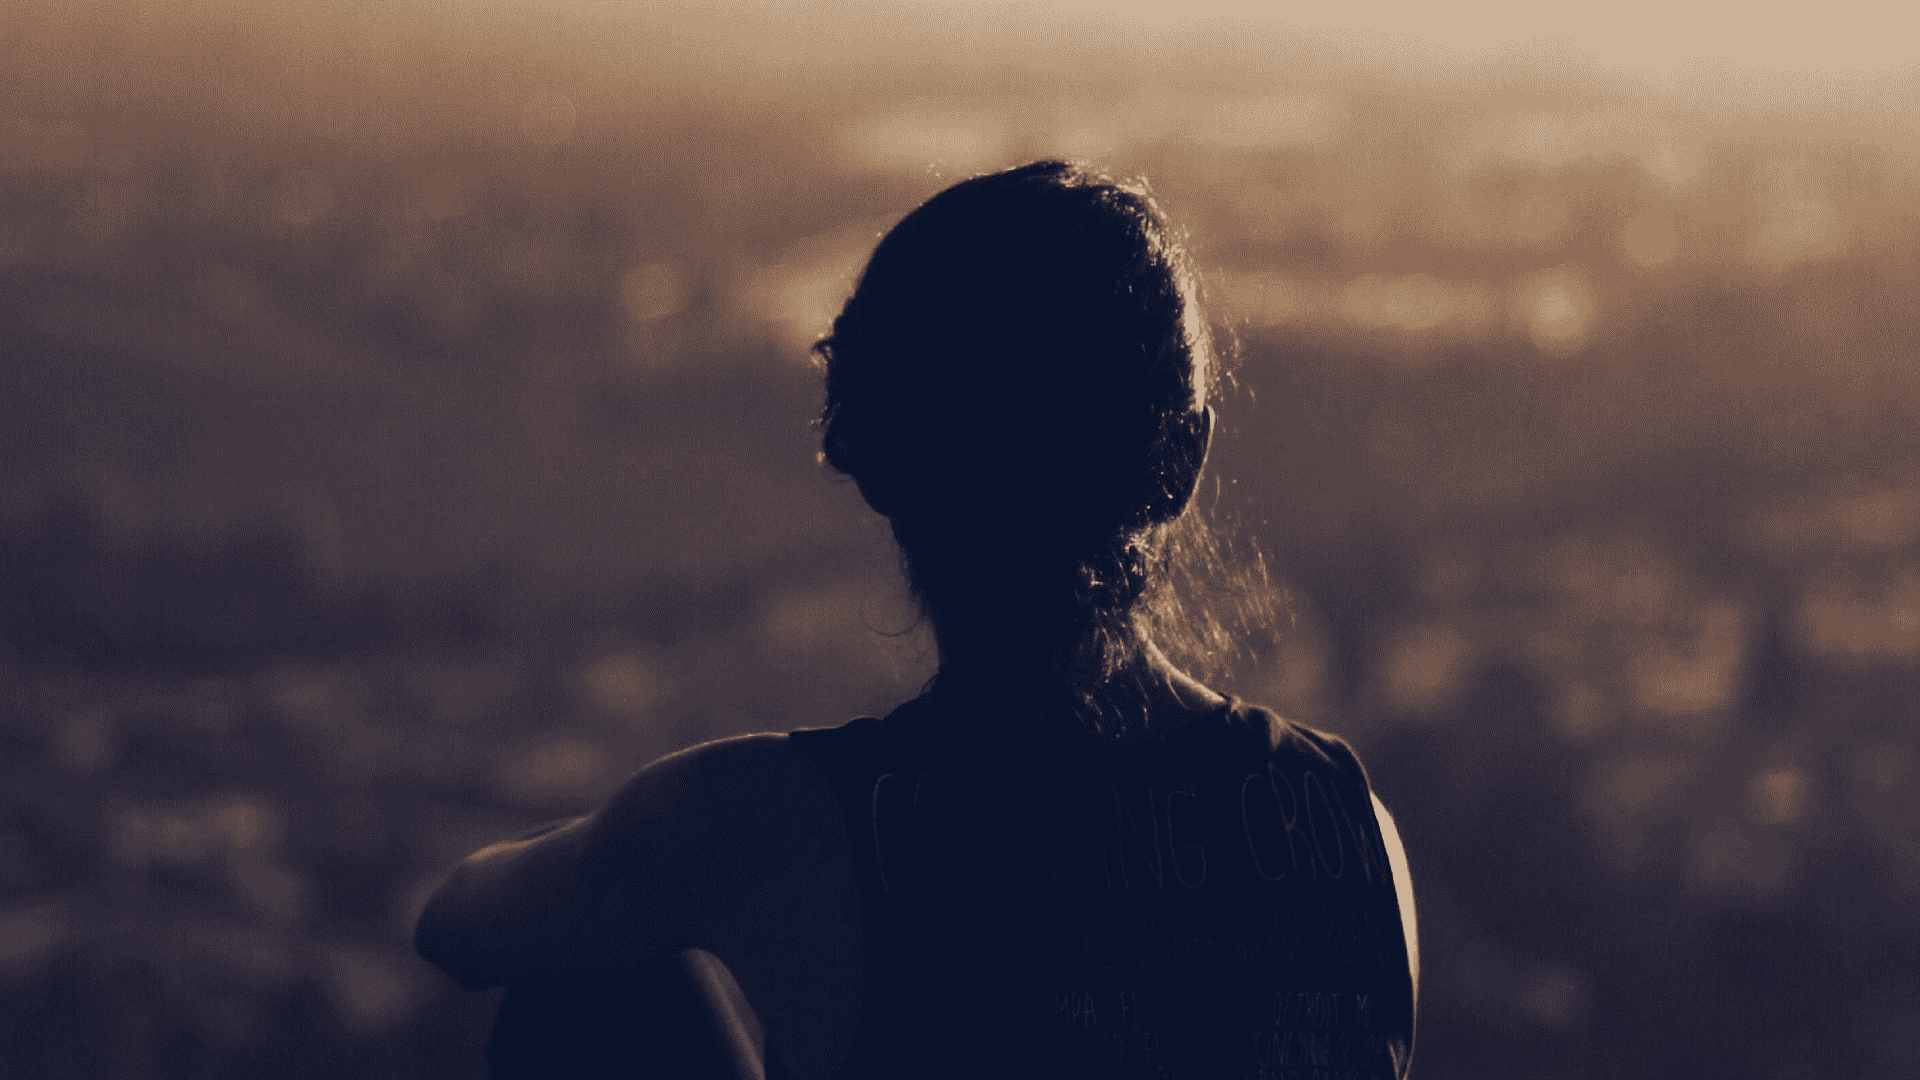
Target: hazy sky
1656,35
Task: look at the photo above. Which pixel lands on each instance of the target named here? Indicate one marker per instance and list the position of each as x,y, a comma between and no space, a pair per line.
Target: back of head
1017,383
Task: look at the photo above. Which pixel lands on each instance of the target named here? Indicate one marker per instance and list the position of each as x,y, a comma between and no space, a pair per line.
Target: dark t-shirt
1213,905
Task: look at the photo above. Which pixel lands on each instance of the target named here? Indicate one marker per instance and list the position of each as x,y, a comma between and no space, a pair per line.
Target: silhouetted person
1066,858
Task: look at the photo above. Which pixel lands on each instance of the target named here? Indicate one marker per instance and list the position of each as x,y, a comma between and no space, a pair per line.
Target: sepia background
405,418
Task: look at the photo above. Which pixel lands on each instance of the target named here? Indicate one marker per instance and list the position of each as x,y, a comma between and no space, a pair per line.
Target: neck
1146,697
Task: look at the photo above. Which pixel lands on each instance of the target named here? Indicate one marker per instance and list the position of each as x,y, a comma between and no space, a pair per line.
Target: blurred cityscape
405,411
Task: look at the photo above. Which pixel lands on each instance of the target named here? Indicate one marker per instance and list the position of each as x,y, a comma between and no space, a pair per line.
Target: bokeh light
1559,310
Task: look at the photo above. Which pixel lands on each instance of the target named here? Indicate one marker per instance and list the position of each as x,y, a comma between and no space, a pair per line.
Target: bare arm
626,884
1403,888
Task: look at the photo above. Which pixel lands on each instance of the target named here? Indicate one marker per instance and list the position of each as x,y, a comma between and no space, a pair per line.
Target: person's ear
1189,442
839,456
834,447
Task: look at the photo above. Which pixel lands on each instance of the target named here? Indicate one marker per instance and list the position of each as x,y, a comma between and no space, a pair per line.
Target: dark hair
1015,383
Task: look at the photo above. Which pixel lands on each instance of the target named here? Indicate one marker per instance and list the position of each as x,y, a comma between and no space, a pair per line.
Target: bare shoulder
774,893
676,859
1403,888
719,788
747,822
